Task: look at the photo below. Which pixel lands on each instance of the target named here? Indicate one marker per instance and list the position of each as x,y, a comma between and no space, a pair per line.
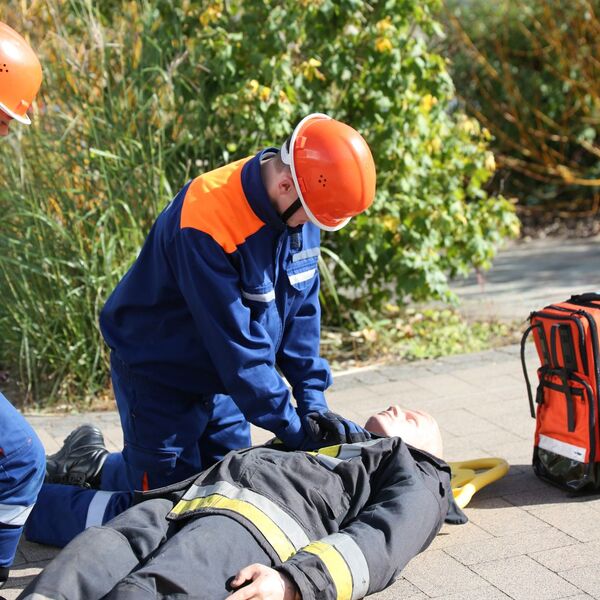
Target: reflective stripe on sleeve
346,564
266,297
97,508
12,514
280,530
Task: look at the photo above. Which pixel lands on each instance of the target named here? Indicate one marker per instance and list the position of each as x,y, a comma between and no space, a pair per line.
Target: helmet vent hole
322,180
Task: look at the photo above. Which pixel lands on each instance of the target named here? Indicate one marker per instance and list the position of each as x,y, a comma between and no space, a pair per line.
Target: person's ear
286,185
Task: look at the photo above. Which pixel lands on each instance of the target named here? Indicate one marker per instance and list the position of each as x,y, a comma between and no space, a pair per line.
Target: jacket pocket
302,272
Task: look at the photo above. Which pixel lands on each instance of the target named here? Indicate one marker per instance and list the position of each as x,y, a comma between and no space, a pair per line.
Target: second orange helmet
20,74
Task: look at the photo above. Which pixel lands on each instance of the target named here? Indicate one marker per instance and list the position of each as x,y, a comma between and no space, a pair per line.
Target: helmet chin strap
290,210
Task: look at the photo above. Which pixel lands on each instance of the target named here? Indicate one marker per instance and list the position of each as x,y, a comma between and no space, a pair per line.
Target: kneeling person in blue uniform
336,523
220,305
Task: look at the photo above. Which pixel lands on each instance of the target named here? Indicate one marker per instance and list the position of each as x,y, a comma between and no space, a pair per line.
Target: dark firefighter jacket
342,522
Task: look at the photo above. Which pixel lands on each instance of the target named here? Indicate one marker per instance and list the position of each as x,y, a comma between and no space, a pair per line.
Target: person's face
4,123
415,427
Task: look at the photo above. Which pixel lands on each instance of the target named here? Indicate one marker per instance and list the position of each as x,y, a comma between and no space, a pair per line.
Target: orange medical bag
566,444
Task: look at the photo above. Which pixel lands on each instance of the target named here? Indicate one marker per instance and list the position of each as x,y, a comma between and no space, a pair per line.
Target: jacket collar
256,193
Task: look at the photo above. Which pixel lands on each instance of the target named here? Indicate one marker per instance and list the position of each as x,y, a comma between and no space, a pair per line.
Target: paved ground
529,275
525,540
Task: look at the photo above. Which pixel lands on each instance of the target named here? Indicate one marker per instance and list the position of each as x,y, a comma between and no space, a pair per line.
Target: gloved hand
329,428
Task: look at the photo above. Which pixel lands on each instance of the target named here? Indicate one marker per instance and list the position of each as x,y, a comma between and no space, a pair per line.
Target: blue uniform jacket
221,294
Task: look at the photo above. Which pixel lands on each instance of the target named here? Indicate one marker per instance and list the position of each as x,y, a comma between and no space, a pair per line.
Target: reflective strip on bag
346,564
12,514
280,530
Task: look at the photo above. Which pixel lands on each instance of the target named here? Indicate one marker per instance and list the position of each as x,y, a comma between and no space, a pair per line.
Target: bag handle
587,297
524,365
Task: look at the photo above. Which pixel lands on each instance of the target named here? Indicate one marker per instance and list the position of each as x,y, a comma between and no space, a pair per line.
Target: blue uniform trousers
22,468
169,435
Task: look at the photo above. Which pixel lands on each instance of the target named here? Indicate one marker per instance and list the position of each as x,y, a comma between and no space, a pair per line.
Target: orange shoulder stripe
215,204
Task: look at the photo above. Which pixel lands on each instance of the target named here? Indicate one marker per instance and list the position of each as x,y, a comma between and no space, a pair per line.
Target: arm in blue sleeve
242,352
298,356
405,512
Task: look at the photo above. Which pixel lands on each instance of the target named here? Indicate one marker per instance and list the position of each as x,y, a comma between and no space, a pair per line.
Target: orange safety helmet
332,168
20,74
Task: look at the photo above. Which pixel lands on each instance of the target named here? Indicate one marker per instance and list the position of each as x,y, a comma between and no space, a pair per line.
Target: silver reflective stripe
306,254
328,461
285,522
332,456
266,297
348,451
356,561
97,507
576,453
304,276
11,514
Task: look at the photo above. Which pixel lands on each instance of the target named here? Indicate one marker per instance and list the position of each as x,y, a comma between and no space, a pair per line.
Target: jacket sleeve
406,509
241,350
299,354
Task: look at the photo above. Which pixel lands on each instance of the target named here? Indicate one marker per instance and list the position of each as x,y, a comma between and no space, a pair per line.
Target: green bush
140,96
529,71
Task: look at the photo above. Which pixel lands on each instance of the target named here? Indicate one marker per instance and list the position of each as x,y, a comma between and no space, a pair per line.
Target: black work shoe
80,460
4,573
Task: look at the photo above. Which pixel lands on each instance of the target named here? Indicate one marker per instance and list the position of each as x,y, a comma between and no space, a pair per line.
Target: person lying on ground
267,523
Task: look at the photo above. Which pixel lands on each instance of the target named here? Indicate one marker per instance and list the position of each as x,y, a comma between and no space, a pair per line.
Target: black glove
329,428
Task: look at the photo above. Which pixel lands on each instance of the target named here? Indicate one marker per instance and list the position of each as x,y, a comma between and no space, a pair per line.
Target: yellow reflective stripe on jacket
280,530
337,567
341,547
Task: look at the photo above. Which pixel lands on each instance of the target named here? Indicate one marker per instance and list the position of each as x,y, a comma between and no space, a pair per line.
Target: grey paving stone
521,578
569,557
400,589
445,385
373,377
437,574
402,386
495,439
540,496
587,579
500,518
455,535
353,396
400,372
485,593
484,550
463,423
576,519
522,488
